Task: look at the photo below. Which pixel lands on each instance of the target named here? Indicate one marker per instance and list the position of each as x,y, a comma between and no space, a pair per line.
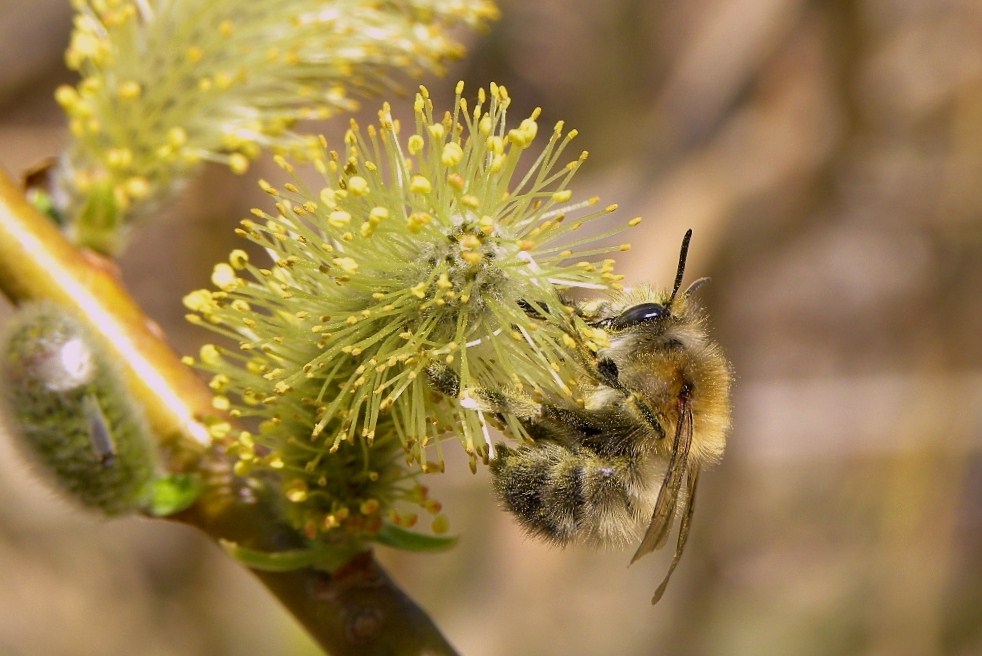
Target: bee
655,410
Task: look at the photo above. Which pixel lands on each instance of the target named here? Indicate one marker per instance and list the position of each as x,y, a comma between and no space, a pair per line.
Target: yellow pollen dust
338,219
437,131
130,90
209,355
198,300
119,158
420,185
452,154
417,220
346,263
358,185
238,258
495,145
223,276
137,187
238,163
220,430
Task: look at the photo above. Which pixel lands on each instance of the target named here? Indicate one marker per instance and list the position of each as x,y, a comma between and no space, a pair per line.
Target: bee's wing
667,502
692,479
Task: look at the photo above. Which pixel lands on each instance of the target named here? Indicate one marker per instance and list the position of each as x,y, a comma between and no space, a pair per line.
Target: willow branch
355,610
37,262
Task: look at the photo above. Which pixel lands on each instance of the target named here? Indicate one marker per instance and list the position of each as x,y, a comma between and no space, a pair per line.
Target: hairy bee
657,409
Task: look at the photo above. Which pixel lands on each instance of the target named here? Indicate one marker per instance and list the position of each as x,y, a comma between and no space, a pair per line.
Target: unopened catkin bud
68,407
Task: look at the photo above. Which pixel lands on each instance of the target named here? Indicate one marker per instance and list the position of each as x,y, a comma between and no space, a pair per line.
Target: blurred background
828,156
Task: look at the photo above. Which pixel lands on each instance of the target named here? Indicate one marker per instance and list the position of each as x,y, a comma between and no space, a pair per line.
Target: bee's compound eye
638,314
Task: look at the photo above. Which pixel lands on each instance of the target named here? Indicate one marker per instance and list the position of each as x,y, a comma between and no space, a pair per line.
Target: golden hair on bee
656,409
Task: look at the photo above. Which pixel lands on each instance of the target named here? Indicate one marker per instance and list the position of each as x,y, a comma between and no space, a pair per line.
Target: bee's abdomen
567,495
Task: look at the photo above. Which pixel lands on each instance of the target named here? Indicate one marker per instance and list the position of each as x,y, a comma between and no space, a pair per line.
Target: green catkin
167,85
68,407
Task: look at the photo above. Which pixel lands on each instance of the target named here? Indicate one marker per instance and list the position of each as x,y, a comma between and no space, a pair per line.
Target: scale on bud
69,408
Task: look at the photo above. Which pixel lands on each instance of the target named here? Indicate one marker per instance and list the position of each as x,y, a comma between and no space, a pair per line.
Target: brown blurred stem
357,609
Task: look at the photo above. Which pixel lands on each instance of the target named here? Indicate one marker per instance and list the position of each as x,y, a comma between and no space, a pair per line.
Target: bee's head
656,310
651,334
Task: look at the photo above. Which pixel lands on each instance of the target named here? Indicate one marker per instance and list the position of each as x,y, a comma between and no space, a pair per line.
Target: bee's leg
519,415
610,375
446,381
535,311
539,310
572,421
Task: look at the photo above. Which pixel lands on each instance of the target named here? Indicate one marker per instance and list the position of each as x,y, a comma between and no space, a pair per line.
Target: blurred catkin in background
827,156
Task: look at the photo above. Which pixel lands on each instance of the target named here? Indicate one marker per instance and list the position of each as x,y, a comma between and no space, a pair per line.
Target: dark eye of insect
637,314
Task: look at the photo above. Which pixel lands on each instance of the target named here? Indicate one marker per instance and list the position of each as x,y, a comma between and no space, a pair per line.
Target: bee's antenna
681,270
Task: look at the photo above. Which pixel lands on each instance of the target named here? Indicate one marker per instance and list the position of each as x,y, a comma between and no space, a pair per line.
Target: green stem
357,609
